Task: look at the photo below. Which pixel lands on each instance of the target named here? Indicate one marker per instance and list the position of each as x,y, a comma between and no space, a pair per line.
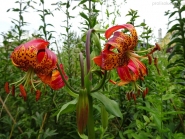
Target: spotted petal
132,30
107,60
34,54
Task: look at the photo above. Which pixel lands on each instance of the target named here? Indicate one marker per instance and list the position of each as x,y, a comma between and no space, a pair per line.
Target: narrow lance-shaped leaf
110,105
67,108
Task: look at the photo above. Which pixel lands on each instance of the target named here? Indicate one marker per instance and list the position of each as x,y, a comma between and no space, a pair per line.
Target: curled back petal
132,30
118,43
119,40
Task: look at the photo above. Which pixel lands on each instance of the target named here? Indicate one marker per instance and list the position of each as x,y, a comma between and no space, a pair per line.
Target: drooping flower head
117,49
119,54
34,55
35,58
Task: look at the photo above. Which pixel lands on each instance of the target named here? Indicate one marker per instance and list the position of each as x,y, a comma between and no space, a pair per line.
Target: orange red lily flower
119,54
34,57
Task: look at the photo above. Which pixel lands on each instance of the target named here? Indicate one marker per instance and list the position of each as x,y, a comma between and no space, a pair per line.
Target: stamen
19,81
128,96
155,63
38,94
158,47
6,87
23,92
149,59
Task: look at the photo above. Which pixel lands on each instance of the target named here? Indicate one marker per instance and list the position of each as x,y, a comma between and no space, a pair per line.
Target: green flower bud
82,111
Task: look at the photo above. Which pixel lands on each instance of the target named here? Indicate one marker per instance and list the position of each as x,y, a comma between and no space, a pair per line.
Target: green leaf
173,112
146,118
121,135
172,13
49,133
167,96
83,136
82,2
82,14
176,51
139,124
68,5
95,0
67,108
8,10
174,28
182,9
97,43
50,36
38,118
110,105
175,40
16,9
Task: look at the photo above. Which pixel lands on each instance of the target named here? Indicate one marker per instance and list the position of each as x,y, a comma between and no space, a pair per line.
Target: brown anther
155,63
157,46
134,96
6,87
145,92
131,94
149,59
128,96
13,90
23,92
38,94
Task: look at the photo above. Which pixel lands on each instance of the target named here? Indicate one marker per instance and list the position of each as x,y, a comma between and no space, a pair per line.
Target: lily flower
119,49
35,58
119,54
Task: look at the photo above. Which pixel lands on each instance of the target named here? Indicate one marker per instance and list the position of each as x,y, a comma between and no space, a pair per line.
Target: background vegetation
159,115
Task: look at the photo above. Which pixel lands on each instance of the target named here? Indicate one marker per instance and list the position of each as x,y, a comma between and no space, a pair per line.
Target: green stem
101,84
66,83
90,123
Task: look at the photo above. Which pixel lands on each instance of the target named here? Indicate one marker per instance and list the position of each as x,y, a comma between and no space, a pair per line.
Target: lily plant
40,65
